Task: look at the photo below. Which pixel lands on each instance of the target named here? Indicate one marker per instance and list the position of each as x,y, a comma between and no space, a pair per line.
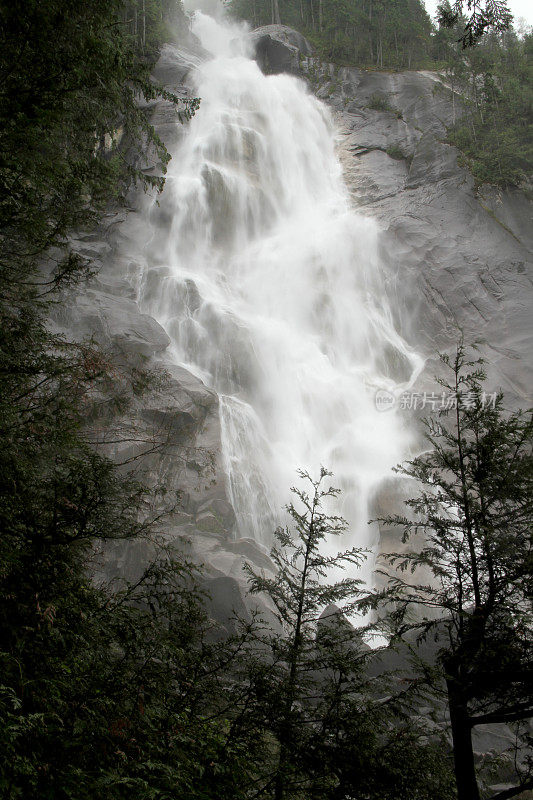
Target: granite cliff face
280,49
457,256
169,435
461,255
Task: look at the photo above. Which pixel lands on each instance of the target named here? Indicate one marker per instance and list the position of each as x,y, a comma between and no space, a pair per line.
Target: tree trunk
463,752
453,100
370,30
294,655
276,19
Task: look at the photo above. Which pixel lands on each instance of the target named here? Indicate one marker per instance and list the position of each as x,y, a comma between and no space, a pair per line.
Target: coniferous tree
494,130
299,595
474,515
480,16
388,34
334,731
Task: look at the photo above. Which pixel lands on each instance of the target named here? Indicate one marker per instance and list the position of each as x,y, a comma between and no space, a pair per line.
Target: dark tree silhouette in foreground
474,513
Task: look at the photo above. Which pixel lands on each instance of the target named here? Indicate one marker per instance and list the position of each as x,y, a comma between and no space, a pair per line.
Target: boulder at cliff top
279,49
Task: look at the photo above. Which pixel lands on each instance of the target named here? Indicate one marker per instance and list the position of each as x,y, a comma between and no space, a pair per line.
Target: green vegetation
379,102
372,33
338,733
493,83
390,34
84,703
395,152
483,16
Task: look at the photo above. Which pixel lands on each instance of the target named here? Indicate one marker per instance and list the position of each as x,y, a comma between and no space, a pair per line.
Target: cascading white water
272,289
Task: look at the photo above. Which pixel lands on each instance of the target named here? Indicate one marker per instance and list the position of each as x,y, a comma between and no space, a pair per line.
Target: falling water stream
272,289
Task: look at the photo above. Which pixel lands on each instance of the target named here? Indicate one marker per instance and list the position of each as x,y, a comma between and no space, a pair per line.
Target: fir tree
473,515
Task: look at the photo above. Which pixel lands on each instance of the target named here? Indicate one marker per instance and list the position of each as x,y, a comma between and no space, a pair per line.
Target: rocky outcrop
458,256
280,49
169,432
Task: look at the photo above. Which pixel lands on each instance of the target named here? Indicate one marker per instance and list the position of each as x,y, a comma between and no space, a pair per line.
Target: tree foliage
495,130
70,78
492,101
299,594
379,33
473,515
335,733
482,16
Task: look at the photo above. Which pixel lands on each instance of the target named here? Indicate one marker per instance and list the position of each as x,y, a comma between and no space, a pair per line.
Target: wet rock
253,552
221,510
280,49
460,256
333,622
184,384
172,67
380,130
117,321
433,162
209,521
225,603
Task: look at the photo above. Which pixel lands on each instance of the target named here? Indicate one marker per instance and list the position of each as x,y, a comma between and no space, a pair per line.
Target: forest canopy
384,33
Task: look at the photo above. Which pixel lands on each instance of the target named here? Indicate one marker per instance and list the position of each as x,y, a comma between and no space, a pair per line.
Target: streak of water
273,291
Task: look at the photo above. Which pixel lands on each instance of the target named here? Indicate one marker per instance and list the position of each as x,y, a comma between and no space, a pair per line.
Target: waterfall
272,289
